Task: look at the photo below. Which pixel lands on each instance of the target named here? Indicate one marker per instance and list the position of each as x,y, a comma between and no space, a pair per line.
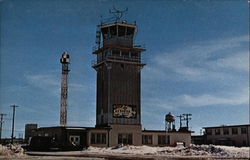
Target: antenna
118,13
187,117
180,116
64,88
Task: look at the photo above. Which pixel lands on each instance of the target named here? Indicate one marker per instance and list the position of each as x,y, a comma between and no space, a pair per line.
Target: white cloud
52,83
202,61
207,100
233,98
157,103
43,80
238,62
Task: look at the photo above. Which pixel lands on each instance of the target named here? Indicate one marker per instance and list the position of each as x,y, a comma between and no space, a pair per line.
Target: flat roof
166,131
74,127
225,126
118,47
117,23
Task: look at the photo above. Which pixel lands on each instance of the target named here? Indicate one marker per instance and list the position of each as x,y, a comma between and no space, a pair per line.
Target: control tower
118,64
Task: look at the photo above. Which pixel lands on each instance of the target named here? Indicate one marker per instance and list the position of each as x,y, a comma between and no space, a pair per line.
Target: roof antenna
118,13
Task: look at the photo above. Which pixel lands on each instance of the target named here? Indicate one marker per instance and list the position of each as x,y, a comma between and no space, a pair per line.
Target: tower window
113,31
125,53
134,55
130,32
116,53
121,31
105,33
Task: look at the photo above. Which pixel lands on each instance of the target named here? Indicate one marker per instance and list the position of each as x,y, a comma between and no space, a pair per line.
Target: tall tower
118,67
64,88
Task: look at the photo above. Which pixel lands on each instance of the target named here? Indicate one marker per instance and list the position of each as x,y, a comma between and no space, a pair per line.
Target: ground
15,152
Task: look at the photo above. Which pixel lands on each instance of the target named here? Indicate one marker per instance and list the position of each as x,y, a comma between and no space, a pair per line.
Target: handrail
119,58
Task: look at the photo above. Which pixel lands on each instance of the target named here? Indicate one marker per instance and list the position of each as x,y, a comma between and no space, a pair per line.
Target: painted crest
123,111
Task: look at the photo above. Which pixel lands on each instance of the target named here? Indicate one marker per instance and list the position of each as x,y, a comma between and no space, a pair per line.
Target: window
98,138
134,55
217,131
234,130
115,53
121,31
125,53
105,33
209,131
103,138
162,139
125,138
225,131
113,31
130,32
147,139
243,131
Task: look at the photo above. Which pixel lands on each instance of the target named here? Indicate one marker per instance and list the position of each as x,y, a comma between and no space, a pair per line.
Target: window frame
98,138
243,130
234,130
125,138
225,131
147,139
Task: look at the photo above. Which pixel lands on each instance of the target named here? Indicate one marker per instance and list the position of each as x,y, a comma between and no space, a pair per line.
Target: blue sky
197,60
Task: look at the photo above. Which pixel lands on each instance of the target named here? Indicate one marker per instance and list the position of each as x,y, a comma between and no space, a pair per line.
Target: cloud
207,60
51,82
42,80
157,103
237,62
175,103
207,100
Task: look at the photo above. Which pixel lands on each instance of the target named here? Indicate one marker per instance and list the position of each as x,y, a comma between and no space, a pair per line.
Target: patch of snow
11,151
193,150
204,151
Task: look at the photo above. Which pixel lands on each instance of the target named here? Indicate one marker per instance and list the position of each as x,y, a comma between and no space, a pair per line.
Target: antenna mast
64,88
118,13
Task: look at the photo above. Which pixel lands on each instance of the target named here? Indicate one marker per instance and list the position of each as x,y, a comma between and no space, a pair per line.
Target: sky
197,56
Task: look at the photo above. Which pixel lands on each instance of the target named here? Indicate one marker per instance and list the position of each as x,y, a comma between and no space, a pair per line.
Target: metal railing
118,59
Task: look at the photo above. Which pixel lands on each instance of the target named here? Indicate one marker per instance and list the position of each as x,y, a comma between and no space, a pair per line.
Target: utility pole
1,125
187,117
13,121
180,116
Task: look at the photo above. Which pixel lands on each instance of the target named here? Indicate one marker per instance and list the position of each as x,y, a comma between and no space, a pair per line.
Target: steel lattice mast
64,88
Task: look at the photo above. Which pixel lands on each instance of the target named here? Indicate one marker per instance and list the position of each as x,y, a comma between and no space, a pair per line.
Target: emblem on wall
124,111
